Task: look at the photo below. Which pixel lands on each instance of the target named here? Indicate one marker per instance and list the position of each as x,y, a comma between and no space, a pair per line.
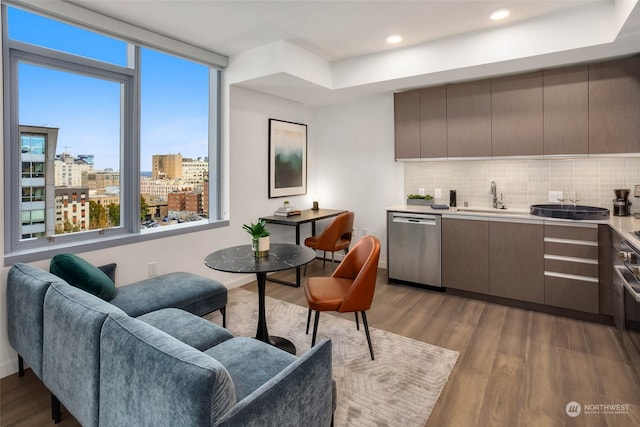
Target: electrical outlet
421,191
365,231
554,196
153,269
438,193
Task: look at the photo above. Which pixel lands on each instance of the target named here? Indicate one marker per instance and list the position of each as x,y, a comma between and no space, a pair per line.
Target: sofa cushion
81,274
250,362
187,327
190,292
73,322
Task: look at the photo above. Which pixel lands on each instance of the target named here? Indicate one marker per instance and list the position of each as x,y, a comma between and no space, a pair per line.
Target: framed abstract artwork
287,158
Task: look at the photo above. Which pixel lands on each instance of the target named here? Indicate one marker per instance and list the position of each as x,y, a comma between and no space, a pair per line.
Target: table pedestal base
283,344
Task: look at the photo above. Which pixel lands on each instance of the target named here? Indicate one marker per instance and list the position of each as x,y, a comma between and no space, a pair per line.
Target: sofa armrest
149,378
300,395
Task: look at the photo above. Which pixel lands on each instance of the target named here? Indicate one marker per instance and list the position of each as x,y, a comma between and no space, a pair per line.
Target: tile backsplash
526,182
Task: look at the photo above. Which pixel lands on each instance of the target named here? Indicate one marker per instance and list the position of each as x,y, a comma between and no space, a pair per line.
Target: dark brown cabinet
516,267
516,115
571,267
566,110
433,122
465,254
614,106
407,124
584,109
421,123
469,119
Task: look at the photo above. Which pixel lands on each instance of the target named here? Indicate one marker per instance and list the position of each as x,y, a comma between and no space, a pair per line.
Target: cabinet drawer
569,267
571,232
570,293
570,250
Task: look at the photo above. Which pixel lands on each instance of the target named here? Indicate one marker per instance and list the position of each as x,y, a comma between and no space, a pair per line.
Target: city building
102,181
38,148
194,171
72,209
166,166
69,170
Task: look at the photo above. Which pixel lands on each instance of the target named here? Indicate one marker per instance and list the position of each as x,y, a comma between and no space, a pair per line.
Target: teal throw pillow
79,273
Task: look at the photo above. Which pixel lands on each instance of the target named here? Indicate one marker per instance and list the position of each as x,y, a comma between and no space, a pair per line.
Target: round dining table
242,259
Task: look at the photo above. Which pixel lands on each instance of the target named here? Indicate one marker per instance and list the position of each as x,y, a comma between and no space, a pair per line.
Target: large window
104,139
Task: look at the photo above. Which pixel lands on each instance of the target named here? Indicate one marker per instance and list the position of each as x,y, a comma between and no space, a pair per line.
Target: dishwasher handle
415,219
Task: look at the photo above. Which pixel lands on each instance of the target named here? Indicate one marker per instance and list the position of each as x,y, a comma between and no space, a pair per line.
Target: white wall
352,163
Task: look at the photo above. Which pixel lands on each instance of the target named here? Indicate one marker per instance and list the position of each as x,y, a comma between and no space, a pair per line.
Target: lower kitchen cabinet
465,254
545,263
516,267
571,254
569,293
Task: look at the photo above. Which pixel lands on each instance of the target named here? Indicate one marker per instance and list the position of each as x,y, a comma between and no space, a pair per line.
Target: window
99,121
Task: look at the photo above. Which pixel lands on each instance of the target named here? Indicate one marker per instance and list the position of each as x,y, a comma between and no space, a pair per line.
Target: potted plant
259,237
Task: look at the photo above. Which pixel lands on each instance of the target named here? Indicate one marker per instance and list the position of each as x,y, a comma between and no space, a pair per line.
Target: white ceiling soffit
595,31
321,52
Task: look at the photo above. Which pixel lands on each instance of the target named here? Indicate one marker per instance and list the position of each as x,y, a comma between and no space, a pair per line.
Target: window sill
50,250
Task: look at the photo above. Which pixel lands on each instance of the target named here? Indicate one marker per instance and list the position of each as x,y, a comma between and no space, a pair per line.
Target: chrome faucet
494,193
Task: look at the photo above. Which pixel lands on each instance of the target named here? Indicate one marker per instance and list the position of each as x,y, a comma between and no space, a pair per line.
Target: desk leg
297,284
262,332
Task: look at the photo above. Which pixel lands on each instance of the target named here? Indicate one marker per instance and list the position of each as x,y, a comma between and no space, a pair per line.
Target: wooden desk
305,217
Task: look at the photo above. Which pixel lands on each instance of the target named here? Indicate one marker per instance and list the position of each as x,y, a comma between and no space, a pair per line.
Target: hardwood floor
516,367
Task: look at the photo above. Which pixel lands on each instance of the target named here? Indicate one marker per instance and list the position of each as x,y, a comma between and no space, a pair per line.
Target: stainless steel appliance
626,284
621,203
414,253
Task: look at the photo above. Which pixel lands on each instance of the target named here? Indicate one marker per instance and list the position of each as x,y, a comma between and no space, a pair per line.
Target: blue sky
174,110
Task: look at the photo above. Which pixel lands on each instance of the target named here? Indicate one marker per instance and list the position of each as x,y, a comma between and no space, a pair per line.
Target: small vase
260,246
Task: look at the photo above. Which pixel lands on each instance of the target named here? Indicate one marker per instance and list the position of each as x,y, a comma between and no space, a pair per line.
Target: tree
144,208
97,215
114,214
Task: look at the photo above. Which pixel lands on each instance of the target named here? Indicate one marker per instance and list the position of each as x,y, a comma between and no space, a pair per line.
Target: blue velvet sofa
167,367
27,286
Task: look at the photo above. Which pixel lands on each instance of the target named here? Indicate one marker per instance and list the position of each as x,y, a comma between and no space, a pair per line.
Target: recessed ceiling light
394,39
496,15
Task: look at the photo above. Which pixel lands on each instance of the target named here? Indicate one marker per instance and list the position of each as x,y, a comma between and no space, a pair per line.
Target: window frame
130,230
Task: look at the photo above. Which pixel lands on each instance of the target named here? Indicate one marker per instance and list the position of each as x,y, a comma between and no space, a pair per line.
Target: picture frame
287,158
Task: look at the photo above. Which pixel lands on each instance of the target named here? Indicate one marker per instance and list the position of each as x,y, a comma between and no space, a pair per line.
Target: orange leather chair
336,237
349,289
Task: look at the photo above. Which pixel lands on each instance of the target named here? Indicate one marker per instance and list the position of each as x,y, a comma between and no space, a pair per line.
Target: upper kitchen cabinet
516,115
469,119
407,124
614,106
433,122
566,110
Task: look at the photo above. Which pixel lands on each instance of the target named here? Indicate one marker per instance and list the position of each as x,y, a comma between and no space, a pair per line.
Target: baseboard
9,367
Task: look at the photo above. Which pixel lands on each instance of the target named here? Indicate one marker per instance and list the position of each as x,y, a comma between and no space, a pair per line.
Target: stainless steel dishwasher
414,253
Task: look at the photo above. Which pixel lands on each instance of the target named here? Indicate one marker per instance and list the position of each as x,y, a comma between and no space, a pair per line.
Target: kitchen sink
570,211
505,211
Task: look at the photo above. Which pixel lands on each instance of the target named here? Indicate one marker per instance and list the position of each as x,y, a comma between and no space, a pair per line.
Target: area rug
399,388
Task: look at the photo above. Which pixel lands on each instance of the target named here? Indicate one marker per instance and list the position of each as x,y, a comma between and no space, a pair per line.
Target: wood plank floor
516,367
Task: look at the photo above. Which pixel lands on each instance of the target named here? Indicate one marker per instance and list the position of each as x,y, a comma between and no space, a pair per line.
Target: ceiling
322,52
333,30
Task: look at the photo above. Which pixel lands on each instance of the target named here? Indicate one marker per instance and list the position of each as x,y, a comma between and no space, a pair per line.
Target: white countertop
623,225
